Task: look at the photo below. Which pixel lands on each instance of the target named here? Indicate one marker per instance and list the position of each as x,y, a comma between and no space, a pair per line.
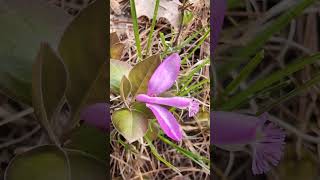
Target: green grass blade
157,155
136,28
194,157
193,87
232,4
186,80
291,94
188,40
265,82
245,72
201,41
242,53
154,20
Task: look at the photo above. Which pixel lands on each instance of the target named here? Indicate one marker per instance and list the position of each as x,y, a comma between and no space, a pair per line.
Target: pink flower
233,131
163,79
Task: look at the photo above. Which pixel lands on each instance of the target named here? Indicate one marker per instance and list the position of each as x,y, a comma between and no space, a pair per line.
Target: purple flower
233,131
97,115
162,79
218,9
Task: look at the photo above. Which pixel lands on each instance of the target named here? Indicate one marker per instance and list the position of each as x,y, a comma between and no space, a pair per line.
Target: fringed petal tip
269,149
193,108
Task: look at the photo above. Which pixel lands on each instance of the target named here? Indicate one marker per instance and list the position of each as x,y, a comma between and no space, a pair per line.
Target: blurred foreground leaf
22,30
48,88
48,163
90,140
83,48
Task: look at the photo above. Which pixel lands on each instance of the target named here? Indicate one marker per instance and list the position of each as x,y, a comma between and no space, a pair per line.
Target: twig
16,116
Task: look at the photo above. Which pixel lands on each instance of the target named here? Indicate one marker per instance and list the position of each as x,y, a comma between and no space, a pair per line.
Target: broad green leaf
89,140
48,87
22,30
49,163
270,80
118,69
141,73
131,124
83,48
125,88
142,108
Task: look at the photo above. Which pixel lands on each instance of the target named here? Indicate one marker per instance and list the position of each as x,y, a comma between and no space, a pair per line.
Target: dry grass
302,113
143,164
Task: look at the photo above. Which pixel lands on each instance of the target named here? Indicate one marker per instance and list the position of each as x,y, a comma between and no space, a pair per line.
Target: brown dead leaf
115,6
168,9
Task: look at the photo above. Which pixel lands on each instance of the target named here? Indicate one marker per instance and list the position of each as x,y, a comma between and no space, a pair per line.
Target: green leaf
118,69
125,88
83,48
89,140
131,124
22,30
141,73
48,162
142,108
267,81
48,87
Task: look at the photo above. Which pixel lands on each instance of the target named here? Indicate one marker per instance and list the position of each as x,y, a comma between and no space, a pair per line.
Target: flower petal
97,115
167,121
179,102
268,149
266,139
233,128
218,8
165,75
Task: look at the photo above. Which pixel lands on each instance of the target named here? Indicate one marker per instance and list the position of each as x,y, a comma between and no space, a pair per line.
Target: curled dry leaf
168,9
